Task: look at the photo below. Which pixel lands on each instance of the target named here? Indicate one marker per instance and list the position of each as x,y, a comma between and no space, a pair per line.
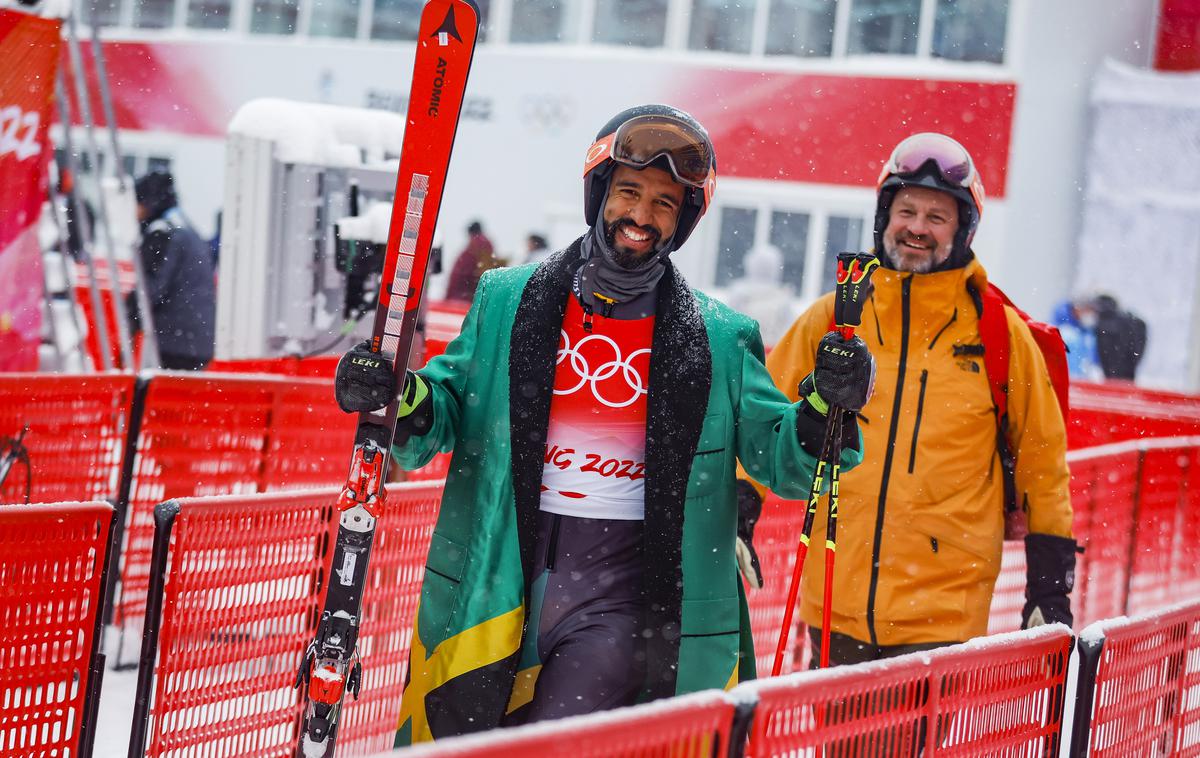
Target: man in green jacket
583,558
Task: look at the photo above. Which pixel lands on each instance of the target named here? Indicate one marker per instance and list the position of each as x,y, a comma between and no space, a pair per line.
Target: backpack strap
997,346
993,333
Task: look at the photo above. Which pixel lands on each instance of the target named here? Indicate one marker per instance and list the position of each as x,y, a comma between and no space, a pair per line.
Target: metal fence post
164,520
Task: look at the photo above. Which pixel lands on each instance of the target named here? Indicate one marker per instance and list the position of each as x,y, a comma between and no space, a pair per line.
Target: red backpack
993,333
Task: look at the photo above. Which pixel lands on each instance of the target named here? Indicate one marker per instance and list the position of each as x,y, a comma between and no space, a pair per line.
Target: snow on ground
116,705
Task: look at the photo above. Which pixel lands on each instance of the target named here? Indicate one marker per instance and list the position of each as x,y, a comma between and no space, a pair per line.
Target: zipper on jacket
552,543
587,318
937,336
933,543
875,313
912,453
905,319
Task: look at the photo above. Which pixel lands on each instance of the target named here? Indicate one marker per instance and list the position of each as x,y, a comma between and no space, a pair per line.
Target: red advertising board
29,46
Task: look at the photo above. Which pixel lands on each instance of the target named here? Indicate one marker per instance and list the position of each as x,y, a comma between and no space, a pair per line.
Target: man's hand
749,510
844,375
1049,579
364,380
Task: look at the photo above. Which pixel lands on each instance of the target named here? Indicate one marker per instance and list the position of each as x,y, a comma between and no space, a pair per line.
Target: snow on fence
700,725
1138,685
1000,695
52,565
235,592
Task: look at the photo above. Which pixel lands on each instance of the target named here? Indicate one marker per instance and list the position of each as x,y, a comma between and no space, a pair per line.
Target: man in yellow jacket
921,523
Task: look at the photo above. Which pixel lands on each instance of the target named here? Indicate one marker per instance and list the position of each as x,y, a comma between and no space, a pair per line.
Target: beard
914,264
624,257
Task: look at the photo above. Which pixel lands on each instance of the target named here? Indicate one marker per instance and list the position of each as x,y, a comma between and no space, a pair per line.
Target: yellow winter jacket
920,524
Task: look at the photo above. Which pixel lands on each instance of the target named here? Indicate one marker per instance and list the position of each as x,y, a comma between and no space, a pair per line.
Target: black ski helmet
933,160
660,136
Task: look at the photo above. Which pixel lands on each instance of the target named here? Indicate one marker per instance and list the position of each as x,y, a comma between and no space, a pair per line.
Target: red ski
445,48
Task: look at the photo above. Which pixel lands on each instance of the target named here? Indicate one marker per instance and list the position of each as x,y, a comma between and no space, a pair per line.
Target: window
843,235
884,26
641,23
103,12
274,16
737,237
722,25
153,14
801,27
544,20
484,8
789,233
208,14
396,19
334,18
970,30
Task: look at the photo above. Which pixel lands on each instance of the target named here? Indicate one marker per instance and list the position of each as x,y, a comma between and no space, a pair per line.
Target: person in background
536,249
922,523
178,266
761,293
1120,337
1080,340
477,258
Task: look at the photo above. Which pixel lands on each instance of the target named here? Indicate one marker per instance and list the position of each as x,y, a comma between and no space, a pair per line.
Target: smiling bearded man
597,406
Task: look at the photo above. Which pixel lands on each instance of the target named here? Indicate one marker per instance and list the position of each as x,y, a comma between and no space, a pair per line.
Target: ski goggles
951,160
643,140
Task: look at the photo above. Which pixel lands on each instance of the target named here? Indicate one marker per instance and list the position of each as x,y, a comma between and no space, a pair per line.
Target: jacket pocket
709,645
912,452
444,570
709,461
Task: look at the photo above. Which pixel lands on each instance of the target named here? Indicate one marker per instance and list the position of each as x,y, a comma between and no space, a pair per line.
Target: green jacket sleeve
767,443
447,375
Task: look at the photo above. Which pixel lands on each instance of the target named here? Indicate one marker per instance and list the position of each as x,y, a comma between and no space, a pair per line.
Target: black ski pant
586,618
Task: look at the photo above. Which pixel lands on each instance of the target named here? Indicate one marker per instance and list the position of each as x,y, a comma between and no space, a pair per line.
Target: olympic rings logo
607,370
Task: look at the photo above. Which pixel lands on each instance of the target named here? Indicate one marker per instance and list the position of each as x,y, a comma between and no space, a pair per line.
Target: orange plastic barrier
77,434
215,434
234,602
52,563
691,726
999,697
1137,685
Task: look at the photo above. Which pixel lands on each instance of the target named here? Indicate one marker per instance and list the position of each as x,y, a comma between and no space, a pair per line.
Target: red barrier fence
1138,681
1137,515
77,430
213,434
238,582
52,562
998,697
691,726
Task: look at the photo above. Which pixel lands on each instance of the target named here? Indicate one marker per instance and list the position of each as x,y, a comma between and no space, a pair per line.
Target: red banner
29,47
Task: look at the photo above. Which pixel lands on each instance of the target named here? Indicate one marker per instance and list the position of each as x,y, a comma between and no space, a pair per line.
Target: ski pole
853,287
814,496
838,421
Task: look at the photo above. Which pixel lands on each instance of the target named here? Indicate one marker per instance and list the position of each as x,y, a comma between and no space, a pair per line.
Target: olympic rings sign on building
607,370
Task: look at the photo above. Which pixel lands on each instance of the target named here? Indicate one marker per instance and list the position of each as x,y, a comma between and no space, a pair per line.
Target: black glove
749,510
1049,579
844,375
364,380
